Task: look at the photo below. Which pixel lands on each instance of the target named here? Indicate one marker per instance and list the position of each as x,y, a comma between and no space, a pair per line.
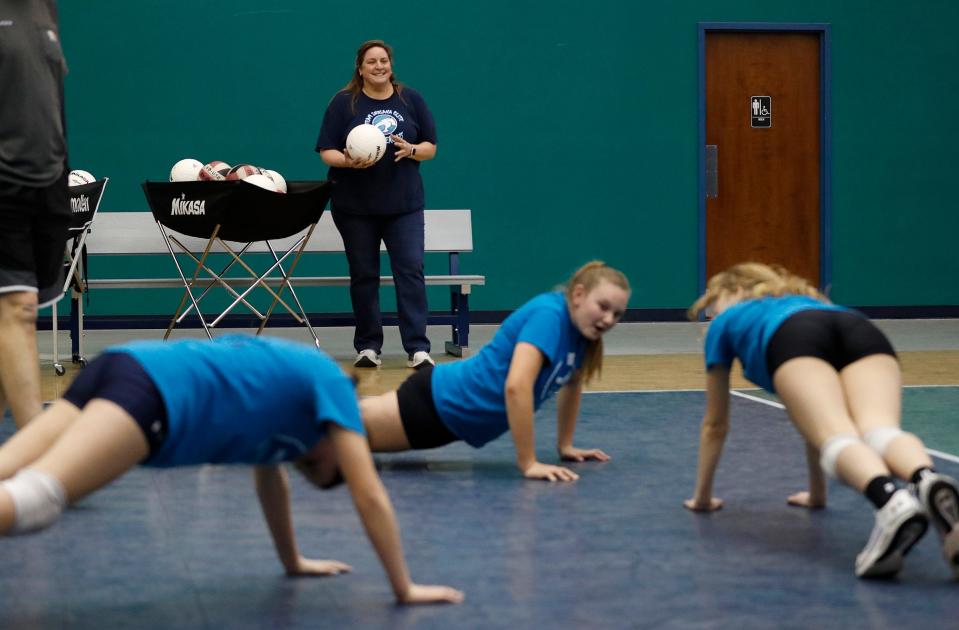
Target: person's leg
872,387
813,395
100,445
19,360
384,427
28,444
361,240
34,224
404,238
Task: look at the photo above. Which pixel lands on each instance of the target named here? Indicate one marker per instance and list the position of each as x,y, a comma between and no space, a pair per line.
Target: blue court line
941,455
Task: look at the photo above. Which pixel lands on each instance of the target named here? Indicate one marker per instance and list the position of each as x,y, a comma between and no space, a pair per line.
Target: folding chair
193,217
84,202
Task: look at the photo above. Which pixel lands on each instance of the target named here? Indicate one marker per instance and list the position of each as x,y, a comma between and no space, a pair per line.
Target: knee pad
879,439
831,449
38,500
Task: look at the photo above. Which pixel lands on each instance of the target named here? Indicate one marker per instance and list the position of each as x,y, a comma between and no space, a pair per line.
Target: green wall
569,128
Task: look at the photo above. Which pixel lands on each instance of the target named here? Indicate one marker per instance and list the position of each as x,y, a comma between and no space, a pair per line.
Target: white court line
946,456
759,399
941,455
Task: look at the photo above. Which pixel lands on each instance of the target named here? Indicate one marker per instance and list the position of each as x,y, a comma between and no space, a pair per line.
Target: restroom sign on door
761,111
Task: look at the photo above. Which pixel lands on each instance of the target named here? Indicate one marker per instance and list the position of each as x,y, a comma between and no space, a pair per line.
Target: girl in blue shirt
839,379
239,399
552,343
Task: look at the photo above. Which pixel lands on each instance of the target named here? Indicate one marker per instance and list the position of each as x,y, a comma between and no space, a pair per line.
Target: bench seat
447,232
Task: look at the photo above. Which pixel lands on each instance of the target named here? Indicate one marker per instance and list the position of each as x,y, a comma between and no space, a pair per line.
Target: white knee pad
830,451
879,439
38,500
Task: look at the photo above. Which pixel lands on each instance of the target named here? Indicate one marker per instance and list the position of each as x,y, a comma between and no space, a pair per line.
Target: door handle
712,171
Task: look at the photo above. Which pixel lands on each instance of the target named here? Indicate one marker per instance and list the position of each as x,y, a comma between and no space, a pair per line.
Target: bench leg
76,326
57,367
459,345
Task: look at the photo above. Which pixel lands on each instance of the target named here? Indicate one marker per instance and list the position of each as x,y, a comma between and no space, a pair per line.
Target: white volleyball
366,142
261,180
277,179
79,178
186,170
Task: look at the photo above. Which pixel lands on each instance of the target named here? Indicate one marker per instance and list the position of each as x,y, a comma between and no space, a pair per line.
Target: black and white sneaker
900,523
939,495
367,359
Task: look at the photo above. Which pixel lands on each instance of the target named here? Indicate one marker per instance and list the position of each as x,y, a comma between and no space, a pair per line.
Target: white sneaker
939,495
899,524
420,358
367,359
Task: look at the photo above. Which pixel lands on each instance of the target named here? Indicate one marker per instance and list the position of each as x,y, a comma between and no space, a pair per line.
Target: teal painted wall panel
569,128
896,215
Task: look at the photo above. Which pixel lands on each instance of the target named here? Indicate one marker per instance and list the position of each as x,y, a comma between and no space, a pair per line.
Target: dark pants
404,239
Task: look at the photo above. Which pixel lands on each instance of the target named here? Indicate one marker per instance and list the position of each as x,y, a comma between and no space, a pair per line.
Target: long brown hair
756,280
355,86
590,275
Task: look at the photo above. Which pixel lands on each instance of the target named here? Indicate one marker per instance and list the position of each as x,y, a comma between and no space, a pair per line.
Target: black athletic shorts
119,378
423,426
34,223
837,337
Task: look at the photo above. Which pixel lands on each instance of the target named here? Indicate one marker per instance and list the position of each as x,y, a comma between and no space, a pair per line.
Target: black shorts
423,426
837,337
34,223
119,378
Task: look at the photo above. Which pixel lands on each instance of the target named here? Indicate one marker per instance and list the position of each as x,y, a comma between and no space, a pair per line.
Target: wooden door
766,203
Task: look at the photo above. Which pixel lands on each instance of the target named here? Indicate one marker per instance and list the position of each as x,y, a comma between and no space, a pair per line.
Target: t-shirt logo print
385,123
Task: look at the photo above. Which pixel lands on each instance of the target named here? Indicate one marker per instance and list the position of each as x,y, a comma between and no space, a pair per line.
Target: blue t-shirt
743,331
387,187
470,395
243,399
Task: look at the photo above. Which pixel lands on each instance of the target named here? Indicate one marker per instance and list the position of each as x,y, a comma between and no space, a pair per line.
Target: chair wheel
59,369
82,362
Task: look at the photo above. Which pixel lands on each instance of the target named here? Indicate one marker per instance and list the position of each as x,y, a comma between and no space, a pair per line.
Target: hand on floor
806,500
308,567
427,594
573,454
704,506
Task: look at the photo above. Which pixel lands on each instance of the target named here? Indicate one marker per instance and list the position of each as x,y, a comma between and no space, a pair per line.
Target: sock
919,474
880,490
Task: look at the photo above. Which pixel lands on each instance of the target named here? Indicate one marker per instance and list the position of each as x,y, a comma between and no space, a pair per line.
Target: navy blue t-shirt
387,187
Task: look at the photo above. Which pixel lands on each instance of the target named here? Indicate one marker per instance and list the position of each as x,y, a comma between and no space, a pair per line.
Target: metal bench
447,232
